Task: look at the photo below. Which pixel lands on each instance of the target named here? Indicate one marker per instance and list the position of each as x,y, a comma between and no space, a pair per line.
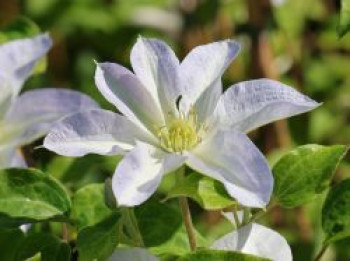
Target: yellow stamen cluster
180,134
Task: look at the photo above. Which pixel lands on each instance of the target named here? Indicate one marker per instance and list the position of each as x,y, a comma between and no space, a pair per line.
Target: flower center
181,133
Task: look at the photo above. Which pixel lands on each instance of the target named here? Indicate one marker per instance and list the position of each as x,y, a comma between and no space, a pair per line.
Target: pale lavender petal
231,158
251,104
122,88
157,67
34,112
96,131
18,58
140,172
256,240
204,66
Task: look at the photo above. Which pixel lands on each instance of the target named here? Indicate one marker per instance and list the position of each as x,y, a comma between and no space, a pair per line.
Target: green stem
322,251
186,215
65,232
246,213
262,213
132,227
236,218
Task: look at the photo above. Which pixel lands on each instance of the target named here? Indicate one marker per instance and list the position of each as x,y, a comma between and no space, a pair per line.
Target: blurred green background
294,41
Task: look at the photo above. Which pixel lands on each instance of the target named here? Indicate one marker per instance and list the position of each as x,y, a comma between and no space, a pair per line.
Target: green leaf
218,255
50,247
28,195
208,193
99,241
157,222
305,172
20,28
10,240
344,20
336,212
88,206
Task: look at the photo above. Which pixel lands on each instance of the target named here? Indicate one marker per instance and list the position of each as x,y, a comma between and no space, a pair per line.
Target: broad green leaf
50,248
305,172
208,193
99,241
336,212
10,240
88,206
157,222
344,20
29,195
217,255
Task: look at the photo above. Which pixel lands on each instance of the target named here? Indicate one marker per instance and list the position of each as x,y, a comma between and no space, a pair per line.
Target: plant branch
322,251
186,214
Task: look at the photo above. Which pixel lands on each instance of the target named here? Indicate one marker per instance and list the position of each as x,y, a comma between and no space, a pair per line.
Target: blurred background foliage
294,41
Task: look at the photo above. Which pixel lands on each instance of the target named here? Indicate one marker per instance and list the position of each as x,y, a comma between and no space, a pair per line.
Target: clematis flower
255,239
175,113
29,116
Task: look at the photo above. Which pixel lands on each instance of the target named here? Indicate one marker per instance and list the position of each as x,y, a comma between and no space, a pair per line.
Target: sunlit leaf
207,192
29,195
305,172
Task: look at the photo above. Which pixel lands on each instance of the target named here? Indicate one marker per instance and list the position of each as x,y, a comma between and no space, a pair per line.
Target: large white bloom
255,239
175,113
26,117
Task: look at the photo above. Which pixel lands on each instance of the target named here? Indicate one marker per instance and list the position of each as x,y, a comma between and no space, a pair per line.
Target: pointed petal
256,240
34,112
140,172
122,88
132,254
207,102
204,66
96,131
251,104
157,66
18,58
231,158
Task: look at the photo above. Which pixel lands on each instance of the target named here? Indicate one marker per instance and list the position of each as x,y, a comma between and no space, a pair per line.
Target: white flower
29,116
256,240
175,113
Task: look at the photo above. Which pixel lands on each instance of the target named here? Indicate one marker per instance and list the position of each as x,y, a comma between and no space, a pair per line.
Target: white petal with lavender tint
157,67
205,65
18,58
251,104
122,88
132,254
231,158
96,131
256,240
34,112
140,172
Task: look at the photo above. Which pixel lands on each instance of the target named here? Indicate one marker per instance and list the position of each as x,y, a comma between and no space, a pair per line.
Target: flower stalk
132,227
186,215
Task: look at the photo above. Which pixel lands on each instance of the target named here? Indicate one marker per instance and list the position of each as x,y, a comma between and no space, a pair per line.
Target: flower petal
251,104
231,158
96,131
6,95
34,112
132,254
256,240
204,66
18,58
140,172
157,66
122,88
